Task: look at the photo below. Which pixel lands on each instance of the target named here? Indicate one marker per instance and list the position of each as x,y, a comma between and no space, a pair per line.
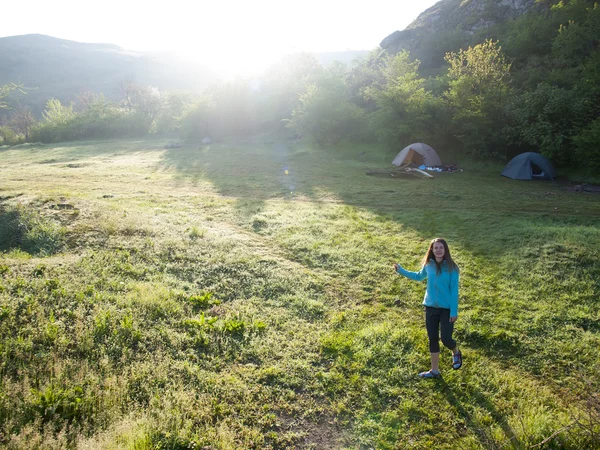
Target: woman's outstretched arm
417,276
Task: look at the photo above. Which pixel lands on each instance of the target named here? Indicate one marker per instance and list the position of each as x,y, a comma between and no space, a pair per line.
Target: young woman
441,302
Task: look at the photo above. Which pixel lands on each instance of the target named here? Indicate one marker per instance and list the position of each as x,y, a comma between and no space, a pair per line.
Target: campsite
300,226
199,295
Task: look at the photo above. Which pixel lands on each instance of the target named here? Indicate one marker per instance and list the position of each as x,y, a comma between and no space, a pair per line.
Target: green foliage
100,121
10,136
552,45
55,403
242,107
404,108
434,47
543,121
196,233
587,142
196,123
325,113
575,41
527,39
235,108
202,301
5,90
367,72
146,102
227,109
22,121
234,327
479,89
458,90
175,107
57,114
281,86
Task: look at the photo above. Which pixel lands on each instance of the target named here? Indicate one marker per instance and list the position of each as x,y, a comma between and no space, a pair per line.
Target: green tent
529,166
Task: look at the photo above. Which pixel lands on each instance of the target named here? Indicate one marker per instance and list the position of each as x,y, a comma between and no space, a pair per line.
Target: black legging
436,318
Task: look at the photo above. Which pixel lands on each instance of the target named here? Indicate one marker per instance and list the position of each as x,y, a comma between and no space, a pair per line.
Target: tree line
532,84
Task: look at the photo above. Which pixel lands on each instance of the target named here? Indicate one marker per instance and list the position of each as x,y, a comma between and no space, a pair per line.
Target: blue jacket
442,288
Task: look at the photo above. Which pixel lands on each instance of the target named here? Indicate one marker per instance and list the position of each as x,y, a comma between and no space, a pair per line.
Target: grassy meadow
241,295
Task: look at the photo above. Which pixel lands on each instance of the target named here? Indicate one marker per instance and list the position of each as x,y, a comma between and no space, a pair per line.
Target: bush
587,144
404,106
112,123
196,124
325,112
10,137
326,115
543,120
479,90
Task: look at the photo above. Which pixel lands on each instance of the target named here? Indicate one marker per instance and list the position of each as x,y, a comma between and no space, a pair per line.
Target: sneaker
457,360
429,374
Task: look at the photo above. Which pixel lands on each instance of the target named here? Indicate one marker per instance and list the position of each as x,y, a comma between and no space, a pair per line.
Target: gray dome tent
419,154
529,166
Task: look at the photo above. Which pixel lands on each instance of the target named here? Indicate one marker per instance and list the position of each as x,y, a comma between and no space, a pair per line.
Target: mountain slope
56,68
450,24
64,69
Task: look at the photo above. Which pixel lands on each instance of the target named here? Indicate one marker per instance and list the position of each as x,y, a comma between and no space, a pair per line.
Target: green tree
235,108
577,37
93,104
56,113
281,86
8,136
5,90
588,147
545,119
404,107
147,101
576,58
197,122
325,113
366,73
22,121
176,105
479,90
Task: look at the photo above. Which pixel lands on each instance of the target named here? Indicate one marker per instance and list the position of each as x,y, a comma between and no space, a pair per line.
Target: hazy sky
257,31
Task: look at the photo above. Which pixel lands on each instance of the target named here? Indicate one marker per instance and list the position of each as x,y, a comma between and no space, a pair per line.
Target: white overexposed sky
231,33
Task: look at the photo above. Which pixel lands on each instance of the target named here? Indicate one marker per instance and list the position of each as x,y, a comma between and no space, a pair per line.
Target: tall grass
25,229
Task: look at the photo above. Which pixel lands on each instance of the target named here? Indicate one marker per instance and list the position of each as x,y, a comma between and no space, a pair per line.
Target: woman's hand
453,319
396,267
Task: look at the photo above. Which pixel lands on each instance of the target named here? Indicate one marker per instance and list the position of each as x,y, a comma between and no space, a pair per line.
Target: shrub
10,137
325,113
588,147
109,123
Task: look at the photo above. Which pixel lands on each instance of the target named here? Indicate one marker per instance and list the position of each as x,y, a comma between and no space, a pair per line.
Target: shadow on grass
501,227
251,173
338,175
484,437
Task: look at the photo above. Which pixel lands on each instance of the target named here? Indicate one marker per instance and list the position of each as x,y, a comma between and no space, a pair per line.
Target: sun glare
228,62
233,37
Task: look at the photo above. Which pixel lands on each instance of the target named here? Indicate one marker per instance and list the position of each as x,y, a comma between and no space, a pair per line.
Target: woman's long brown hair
430,256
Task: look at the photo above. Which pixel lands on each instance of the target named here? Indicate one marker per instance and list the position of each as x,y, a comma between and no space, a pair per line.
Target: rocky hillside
450,24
